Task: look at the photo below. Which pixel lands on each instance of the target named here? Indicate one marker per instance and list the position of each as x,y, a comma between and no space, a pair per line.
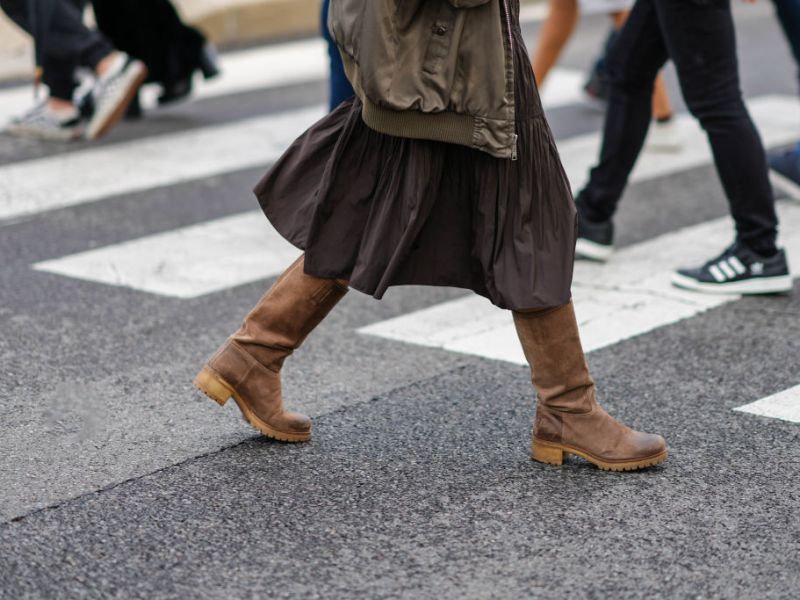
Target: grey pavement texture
117,480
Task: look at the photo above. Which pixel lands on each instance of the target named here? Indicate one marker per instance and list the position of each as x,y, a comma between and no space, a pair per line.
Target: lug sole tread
247,414
548,457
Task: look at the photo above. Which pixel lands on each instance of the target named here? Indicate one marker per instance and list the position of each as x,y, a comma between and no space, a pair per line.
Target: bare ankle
60,105
105,65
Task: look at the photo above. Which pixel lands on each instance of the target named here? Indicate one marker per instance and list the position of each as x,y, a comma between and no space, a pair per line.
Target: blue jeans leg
340,88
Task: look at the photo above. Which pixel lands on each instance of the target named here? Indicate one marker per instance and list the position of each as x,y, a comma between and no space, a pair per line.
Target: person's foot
44,123
665,136
568,418
207,64
785,170
738,270
176,90
115,90
595,239
134,111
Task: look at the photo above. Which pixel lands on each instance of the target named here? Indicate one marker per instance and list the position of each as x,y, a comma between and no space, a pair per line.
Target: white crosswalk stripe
784,405
94,174
100,173
189,262
89,175
185,156
626,297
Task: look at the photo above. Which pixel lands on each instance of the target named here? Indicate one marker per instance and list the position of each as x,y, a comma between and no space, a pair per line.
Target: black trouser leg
70,43
700,39
633,64
702,43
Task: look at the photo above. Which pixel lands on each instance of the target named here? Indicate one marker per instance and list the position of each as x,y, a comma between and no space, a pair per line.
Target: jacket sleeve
467,3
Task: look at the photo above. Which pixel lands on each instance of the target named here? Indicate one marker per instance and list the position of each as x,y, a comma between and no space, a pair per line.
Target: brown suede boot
568,418
247,367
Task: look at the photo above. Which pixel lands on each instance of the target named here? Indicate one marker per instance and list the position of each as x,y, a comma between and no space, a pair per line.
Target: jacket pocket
440,39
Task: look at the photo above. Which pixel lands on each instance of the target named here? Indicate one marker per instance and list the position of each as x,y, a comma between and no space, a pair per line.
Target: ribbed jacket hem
443,127
478,133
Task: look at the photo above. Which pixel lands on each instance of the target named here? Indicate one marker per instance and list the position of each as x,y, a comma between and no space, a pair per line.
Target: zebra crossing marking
626,297
101,173
204,153
189,262
94,174
784,405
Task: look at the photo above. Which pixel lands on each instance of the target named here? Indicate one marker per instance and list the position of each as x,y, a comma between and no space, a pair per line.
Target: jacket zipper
507,11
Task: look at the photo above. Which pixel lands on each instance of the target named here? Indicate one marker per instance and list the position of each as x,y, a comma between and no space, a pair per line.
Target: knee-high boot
568,418
247,367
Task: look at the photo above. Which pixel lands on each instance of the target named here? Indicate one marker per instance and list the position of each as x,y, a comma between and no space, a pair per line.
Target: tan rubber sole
553,454
216,388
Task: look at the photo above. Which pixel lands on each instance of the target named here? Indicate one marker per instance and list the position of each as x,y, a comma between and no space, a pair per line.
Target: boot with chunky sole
247,367
568,418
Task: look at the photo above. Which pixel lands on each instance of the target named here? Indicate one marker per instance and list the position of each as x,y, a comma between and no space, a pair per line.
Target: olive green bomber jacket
432,69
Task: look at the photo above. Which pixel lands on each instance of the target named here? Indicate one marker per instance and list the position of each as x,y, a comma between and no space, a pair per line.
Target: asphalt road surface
126,263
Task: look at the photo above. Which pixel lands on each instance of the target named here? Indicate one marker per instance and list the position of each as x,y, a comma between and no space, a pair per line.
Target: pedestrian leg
554,35
247,367
633,64
568,418
702,44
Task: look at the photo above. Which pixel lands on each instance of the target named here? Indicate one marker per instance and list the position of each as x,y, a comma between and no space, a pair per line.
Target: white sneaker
665,137
43,123
113,92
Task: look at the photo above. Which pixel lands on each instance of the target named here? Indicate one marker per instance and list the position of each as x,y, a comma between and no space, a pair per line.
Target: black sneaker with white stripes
595,238
738,270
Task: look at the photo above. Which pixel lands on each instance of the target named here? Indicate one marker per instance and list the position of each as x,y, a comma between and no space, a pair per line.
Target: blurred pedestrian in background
787,164
340,88
63,44
441,171
148,36
557,30
152,31
700,40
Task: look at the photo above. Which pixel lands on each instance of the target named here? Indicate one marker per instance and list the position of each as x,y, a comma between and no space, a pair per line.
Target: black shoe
738,270
134,112
595,238
207,64
176,91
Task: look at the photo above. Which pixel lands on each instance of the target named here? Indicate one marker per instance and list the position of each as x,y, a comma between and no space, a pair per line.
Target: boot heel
547,454
212,386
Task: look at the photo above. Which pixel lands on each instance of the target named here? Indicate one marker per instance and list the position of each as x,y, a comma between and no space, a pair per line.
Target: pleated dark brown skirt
381,211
